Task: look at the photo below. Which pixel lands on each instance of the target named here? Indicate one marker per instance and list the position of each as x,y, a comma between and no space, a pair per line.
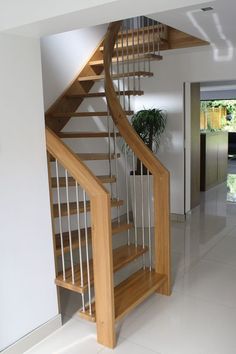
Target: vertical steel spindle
109,148
153,36
135,203
80,246
60,222
69,229
123,68
133,55
138,33
118,70
144,63
116,171
149,39
87,251
128,59
127,193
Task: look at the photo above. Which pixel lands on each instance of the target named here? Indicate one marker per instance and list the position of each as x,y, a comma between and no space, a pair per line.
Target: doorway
210,139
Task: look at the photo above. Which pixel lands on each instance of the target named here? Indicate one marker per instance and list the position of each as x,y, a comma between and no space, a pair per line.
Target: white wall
165,90
63,56
27,292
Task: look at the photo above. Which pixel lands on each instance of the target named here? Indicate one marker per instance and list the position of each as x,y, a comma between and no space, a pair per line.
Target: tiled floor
199,317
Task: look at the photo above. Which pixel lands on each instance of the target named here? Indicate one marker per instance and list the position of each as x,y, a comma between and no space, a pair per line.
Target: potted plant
149,124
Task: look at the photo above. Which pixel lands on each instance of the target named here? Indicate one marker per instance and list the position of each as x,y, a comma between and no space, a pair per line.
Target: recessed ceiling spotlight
205,9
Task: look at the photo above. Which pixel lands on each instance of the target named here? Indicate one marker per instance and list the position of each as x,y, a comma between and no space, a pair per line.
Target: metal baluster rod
135,203
118,70
133,54
69,229
87,251
138,33
143,39
128,59
116,171
109,148
123,67
60,222
79,239
153,36
149,39
127,193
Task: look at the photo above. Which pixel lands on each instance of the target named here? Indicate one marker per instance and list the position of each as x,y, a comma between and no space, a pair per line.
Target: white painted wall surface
28,296
63,56
32,18
165,90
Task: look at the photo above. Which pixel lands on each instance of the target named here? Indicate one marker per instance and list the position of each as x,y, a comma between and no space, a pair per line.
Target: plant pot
148,203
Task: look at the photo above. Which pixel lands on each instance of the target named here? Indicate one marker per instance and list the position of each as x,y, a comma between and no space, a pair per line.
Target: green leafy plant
149,124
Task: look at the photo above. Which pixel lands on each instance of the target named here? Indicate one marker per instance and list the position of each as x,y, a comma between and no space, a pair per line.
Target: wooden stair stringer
62,104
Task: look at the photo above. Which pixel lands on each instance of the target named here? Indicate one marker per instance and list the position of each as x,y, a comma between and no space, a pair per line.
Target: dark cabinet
214,159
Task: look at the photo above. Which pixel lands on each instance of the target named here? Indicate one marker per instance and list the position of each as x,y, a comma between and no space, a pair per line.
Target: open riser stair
107,218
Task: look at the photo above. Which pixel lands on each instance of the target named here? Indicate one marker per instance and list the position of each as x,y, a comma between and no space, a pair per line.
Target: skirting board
34,337
178,217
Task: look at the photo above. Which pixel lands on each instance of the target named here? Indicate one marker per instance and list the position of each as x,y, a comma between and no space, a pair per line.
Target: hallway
200,316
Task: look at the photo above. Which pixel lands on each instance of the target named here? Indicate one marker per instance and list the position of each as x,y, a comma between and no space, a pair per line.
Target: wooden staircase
76,191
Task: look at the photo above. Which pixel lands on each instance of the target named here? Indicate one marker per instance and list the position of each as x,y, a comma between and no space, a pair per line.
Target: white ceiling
217,26
39,18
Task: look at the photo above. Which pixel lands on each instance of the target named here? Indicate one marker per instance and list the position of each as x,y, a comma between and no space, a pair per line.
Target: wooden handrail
159,172
101,235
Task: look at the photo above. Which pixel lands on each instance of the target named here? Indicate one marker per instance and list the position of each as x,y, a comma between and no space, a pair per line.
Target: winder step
103,94
129,58
116,76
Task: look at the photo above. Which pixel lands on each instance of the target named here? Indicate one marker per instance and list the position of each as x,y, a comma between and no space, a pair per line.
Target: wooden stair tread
73,207
70,135
116,76
103,94
145,48
131,292
93,156
121,257
71,181
140,43
144,29
96,156
146,44
84,114
116,229
130,58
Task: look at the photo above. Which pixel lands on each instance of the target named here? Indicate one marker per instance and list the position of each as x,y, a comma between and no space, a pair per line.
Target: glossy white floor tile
224,251
126,347
74,337
210,281
199,317
182,325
